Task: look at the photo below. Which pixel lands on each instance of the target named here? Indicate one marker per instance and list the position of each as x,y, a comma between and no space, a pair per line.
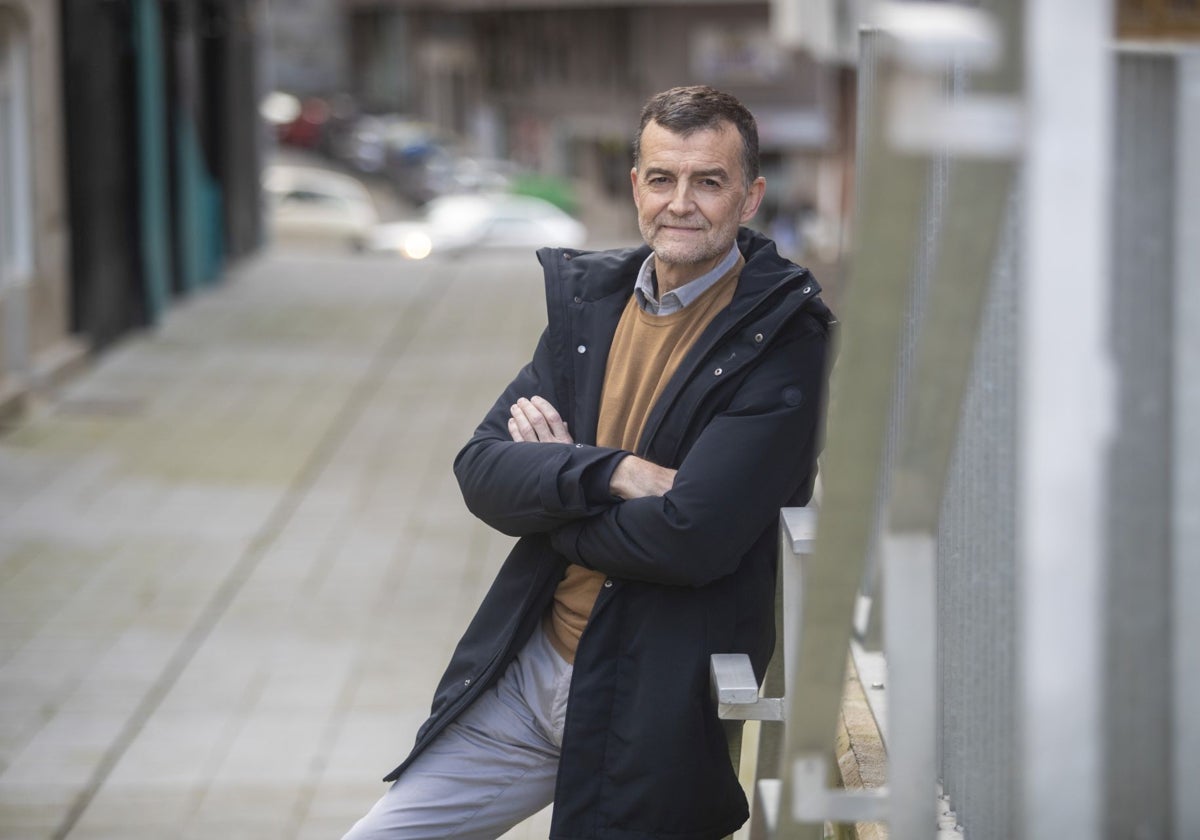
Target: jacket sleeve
522,488
750,460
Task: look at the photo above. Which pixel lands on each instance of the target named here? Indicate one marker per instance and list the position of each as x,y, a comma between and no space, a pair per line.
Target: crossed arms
621,514
535,420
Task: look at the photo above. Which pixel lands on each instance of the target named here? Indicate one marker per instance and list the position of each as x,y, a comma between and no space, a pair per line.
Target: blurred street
264,266
233,557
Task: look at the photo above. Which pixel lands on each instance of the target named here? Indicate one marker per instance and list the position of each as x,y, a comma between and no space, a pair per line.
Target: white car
311,206
457,223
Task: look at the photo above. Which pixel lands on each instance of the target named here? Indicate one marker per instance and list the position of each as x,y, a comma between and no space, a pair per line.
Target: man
671,407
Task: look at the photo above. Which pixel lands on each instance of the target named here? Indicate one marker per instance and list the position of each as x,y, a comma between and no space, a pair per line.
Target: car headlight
416,246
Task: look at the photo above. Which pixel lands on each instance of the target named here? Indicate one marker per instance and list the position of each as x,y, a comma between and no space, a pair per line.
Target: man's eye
710,182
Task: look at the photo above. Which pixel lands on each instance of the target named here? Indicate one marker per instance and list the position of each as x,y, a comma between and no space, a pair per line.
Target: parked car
479,174
413,156
312,206
455,223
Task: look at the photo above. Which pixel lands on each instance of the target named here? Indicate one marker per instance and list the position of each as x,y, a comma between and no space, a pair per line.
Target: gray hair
686,110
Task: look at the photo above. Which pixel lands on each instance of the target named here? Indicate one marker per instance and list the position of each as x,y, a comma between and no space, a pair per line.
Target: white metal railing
813,800
1057,473
911,118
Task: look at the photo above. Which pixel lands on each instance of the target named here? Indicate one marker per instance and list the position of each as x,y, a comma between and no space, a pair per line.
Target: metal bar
980,180
736,690
1066,416
814,802
892,186
764,818
910,637
767,709
1185,448
971,225
1136,539
732,675
789,594
974,217
733,678
792,589
868,625
770,745
800,528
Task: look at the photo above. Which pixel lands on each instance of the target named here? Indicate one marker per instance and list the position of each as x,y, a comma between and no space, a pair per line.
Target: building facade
306,47
129,170
557,87
34,269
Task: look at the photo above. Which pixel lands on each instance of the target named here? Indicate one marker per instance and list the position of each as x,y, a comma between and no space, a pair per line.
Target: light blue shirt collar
679,298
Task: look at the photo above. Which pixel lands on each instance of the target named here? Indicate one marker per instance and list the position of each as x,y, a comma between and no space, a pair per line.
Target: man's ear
633,183
754,197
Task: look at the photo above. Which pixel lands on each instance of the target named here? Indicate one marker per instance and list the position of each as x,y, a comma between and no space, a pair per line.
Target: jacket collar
588,276
586,291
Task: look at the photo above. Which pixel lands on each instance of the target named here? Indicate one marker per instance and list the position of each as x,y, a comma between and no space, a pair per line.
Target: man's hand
534,420
635,478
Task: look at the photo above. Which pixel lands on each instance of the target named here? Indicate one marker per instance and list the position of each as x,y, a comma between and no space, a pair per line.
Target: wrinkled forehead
719,141
717,127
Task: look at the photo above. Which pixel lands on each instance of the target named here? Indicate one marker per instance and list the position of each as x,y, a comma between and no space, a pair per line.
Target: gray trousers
491,768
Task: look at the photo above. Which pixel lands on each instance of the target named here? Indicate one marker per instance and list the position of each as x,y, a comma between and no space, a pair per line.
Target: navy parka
689,574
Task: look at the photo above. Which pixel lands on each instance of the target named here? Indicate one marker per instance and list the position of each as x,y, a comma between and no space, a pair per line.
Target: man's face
691,195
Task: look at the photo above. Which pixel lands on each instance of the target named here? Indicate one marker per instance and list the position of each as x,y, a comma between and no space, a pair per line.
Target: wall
308,42
41,322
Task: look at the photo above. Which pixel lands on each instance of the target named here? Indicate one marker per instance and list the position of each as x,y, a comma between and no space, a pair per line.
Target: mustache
671,221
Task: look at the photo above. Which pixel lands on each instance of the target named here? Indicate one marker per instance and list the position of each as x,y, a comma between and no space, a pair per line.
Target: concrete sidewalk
233,558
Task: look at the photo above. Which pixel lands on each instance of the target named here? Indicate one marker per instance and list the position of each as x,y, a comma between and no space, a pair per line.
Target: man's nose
681,199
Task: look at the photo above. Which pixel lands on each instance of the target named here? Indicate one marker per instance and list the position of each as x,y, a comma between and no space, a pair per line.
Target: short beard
677,254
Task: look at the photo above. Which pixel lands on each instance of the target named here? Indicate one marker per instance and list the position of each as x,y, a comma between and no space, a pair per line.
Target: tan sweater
645,353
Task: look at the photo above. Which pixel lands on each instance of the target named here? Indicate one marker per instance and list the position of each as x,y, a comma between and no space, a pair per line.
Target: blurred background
263,264
150,144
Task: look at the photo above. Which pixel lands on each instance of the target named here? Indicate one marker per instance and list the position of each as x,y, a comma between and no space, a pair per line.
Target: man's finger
531,424
536,420
519,426
554,421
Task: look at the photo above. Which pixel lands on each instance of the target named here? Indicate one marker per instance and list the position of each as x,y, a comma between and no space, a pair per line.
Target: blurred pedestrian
672,406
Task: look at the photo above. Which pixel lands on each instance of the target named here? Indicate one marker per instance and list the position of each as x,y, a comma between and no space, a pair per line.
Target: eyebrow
699,173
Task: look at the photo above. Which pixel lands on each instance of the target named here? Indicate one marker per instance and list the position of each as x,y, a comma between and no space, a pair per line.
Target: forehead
713,147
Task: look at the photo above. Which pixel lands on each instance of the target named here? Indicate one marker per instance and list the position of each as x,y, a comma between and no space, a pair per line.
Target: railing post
1185,664
1066,405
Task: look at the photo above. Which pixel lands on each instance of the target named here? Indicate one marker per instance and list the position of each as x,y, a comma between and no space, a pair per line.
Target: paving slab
233,558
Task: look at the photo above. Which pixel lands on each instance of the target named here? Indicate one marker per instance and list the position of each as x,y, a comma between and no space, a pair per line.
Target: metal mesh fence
1137,620
978,608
